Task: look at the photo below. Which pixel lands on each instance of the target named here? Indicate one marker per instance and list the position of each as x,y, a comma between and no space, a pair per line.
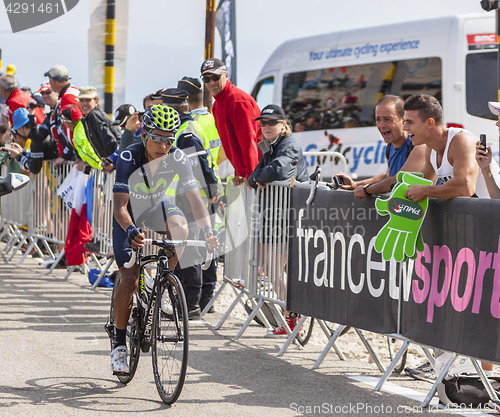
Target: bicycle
158,325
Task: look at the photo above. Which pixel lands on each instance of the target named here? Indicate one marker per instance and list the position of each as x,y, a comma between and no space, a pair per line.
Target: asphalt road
55,362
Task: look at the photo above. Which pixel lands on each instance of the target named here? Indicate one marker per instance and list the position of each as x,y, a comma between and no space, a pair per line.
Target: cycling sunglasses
169,140
215,77
269,123
46,93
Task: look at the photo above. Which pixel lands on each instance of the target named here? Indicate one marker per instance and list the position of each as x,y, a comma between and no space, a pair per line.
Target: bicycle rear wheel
170,341
132,335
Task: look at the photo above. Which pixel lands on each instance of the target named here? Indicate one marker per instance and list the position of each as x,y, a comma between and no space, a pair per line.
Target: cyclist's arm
123,217
200,212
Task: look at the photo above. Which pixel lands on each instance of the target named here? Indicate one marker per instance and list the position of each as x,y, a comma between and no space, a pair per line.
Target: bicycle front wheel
132,335
170,339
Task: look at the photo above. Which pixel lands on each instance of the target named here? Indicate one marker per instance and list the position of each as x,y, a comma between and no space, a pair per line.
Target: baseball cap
174,95
190,84
10,70
87,92
58,73
71,113
157,95
213,66
20,118
44,87
272,111
494,107
121,114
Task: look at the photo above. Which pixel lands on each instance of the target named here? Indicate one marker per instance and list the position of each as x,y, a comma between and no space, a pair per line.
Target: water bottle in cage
146,286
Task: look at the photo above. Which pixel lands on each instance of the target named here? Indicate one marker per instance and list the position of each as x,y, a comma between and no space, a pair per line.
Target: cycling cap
161,117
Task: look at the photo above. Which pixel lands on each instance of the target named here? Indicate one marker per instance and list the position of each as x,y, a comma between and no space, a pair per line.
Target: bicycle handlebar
174,243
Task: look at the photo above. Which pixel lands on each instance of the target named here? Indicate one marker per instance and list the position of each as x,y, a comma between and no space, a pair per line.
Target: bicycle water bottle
148,287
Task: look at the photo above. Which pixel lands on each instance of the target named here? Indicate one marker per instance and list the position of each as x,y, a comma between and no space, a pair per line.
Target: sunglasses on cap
269,123
215,77
169,140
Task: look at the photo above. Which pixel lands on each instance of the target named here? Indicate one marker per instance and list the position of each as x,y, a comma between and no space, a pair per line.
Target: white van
329,84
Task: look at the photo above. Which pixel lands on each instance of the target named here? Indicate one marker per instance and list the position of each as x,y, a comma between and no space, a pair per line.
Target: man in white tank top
450,156
450,153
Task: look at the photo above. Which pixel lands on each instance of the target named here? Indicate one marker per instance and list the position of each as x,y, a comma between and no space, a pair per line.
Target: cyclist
143,174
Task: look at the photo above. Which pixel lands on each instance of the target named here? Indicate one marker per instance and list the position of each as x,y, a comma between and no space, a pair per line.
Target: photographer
43,145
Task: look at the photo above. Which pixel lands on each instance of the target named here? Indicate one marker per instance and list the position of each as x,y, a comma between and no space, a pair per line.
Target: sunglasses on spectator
269,123
46,93
215,77
169,140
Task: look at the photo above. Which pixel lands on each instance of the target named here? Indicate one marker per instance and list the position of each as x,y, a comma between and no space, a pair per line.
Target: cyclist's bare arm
202,216
124,219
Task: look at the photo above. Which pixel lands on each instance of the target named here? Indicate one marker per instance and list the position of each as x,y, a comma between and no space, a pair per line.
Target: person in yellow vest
193,140
19,147
201,115
71,117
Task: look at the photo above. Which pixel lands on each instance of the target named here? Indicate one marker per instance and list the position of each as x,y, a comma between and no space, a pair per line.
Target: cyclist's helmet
161,117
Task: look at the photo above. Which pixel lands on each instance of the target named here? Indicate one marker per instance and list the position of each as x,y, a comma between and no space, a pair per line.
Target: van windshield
481,78
344,97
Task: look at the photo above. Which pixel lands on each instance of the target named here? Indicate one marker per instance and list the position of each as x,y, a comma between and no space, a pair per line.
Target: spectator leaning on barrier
71,117
281,159
102,135
401,155
68,95
484,158
234,112
16,98
449,157
43,145
19,148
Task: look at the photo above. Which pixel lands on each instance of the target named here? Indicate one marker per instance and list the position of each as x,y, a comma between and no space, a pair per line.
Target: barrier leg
54,264
32,244
249,319
393,364
370,350
292,336
212,301
328,335
440,377
19,245
328,346
12,240
229,310
103,272
486,382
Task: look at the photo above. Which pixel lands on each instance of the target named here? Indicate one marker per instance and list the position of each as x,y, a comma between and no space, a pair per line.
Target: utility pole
109,68
209,46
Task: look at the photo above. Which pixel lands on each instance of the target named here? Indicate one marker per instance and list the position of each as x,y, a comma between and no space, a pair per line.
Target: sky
166,38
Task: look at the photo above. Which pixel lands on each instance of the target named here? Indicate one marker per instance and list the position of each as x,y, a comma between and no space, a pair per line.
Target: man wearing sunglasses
235,112
144,173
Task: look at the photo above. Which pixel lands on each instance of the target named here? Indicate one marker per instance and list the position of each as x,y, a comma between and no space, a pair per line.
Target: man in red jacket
235,112
15,98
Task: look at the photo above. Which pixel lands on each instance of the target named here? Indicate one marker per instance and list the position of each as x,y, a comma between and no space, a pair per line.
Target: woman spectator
101,133
281,159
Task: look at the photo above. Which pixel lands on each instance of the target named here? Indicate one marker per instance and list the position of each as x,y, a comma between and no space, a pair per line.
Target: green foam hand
400,238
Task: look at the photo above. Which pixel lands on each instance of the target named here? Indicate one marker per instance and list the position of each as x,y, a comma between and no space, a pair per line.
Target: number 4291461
32,8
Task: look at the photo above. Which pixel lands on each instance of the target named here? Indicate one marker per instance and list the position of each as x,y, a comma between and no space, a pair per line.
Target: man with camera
68,95
400,153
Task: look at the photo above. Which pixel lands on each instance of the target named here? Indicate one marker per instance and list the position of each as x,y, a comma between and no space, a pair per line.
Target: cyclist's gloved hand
212,237
132,232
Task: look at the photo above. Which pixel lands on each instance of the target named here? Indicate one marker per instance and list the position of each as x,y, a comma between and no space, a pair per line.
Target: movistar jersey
146,190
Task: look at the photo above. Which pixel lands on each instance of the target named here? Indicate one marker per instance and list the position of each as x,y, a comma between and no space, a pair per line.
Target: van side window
263,92
345,97
481,76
